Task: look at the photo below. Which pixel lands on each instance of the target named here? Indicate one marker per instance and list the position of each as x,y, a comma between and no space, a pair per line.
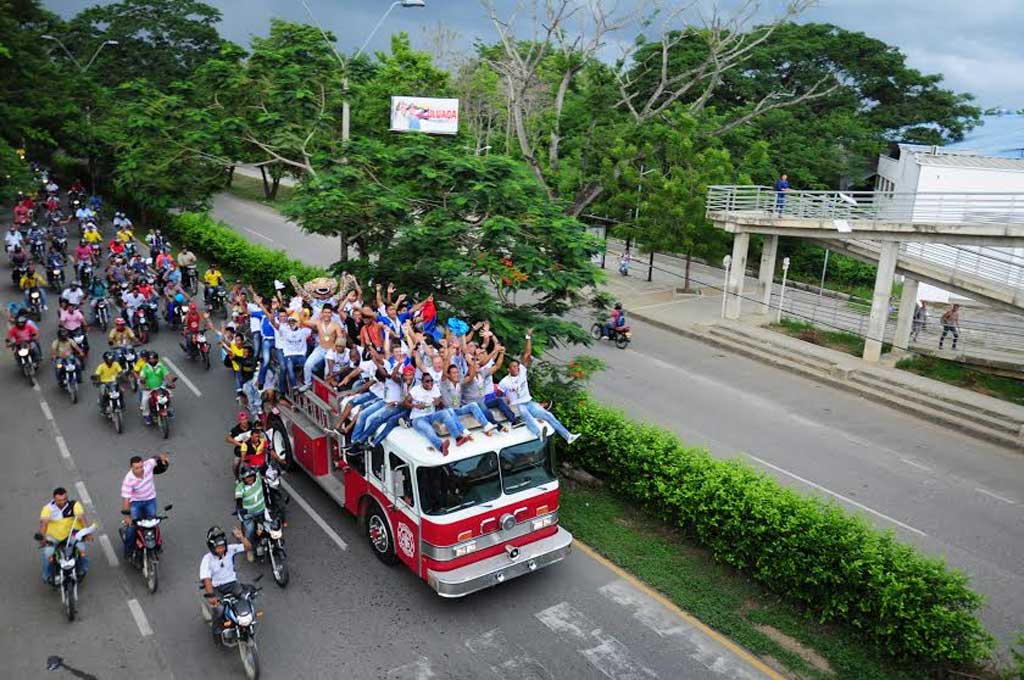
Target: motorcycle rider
23,331
54,261
33,279
121,222
212,278
71,319
73,294
616,319
131,301
217,573
91,235
58,518
36,239
97,291
138,494
105,375
250,501
152,377
84,214
193,322
66,349
120,335
58,231
83,256
13,238
19,257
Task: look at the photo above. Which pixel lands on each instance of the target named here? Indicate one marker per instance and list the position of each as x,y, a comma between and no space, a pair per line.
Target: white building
920,169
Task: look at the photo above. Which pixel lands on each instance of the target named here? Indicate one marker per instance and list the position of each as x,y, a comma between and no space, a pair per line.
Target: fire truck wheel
379,535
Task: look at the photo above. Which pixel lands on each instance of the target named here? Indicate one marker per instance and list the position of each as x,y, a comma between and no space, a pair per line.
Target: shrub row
831,562
218,243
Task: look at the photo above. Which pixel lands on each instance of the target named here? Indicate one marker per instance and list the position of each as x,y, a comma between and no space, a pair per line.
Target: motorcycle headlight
202,337
275,534
244,619
67,564
23,352
161,399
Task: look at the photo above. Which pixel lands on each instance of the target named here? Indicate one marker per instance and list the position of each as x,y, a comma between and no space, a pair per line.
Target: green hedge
810,551
217,242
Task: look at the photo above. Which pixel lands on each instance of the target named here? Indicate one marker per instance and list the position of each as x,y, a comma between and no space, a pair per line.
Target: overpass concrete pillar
766,273
737,274
880,300
905,319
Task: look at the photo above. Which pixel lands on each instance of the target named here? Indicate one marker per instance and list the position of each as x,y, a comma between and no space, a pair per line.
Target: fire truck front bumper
500,568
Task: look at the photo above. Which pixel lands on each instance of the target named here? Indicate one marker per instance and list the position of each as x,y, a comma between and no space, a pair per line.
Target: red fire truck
484,514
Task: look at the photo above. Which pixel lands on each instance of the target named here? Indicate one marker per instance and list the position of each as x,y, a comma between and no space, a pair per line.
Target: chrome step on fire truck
484,514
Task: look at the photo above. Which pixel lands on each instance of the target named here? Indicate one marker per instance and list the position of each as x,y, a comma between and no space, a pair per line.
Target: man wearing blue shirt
781,188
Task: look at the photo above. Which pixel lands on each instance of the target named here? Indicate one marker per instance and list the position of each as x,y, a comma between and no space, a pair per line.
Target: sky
975,44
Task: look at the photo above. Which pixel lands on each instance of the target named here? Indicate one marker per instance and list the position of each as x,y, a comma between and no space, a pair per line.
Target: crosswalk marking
697,645
506,659
605,653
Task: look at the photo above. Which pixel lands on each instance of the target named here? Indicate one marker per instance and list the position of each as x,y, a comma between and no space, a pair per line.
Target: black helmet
618,305
246,471
215,536
153,355
62,333
21,320
108,357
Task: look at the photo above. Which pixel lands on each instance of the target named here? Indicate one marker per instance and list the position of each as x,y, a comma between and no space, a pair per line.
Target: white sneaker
572,438
489,427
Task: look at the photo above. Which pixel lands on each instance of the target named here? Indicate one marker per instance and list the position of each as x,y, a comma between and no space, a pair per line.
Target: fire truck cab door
402,511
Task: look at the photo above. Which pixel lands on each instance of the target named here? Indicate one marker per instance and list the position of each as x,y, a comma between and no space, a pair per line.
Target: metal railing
866,206
999,265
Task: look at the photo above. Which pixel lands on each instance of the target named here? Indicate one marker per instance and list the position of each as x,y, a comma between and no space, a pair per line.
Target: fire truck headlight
465,549
541,522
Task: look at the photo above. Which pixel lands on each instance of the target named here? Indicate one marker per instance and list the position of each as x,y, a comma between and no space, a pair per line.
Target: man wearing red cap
238,436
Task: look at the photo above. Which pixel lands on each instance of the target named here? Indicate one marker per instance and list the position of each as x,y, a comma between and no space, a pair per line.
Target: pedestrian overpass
963,242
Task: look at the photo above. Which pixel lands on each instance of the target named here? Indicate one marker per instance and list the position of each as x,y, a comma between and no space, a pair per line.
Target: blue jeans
492,400
390,424
47,552
531,411
472,409
257,342
249,525
425,426
314,363
138,510
266,349
373,421
358,432
292,362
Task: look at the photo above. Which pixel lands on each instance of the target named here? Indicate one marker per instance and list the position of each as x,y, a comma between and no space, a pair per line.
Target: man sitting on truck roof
517,392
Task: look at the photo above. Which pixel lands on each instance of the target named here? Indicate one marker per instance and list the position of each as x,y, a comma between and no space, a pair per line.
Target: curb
840,379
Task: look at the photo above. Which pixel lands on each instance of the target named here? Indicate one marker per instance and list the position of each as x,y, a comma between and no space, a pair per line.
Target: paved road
949,494
343,612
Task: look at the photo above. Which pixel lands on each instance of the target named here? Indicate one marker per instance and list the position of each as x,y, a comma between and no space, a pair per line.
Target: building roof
957,158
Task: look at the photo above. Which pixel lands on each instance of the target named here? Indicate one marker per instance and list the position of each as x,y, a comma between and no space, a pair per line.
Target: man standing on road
781,189
138,494
951,324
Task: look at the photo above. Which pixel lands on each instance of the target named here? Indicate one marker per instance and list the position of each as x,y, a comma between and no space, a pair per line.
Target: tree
163,41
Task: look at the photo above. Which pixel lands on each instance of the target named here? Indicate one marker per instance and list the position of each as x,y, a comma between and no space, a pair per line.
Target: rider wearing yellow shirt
212,278
57,519
106,374
125,235
92,236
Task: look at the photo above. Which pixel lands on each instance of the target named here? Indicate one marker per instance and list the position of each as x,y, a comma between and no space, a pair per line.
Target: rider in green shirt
152,377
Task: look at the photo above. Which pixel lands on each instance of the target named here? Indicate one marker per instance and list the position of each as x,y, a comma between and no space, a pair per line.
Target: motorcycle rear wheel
151,571
165,426
73,390
118,421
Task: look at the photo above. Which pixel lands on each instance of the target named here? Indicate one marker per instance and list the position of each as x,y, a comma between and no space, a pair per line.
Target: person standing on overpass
781,189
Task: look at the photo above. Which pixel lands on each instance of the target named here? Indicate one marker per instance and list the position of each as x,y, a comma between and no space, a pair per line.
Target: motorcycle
103,314
65,574
140,324
160,410
269,544
190,278
277,433
198,347
97,253
180,312
37,248
112,404
127,358
85,274
152,313
35,303
145,555
27,363
55,276
277,496
129,249
81,338
219,301
17,272
60,244
67,378
621,335
239,629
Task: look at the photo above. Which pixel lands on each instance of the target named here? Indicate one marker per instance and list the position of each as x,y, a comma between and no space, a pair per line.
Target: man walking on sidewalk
951,324
920,320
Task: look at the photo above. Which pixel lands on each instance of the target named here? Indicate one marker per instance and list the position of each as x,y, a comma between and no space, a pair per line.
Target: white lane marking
506,659
35,385
995,495
108,550
839,496
47,413
184,378
417,670
607,654
695,643
63,446
259,235
914,463
84,494
331,534
140,617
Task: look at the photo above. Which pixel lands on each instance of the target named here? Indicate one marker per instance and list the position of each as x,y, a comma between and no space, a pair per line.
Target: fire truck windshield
525,466
447,488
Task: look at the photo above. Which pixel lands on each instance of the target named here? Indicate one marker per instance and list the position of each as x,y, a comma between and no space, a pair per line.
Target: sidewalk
699,317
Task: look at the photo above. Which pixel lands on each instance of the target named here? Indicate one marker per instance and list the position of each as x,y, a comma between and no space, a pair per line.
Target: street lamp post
782,293
726,264
88,105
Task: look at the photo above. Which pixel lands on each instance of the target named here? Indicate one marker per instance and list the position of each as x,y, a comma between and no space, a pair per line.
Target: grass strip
953,373
841,341
717,595
251,189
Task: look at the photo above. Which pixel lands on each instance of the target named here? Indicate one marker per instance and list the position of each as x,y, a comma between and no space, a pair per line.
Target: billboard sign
425,114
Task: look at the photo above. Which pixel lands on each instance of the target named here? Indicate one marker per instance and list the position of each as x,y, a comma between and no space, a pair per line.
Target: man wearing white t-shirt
424,400
517,392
